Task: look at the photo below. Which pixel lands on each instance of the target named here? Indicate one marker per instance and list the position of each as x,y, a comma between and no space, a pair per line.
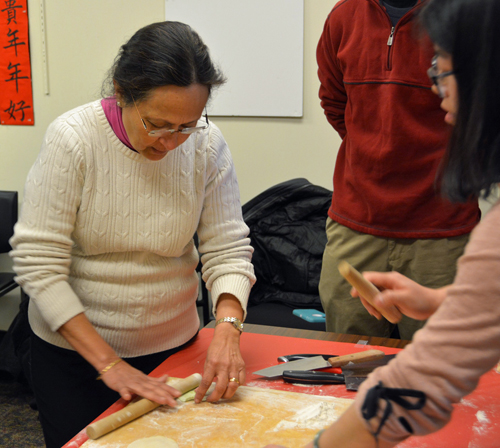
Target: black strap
379,392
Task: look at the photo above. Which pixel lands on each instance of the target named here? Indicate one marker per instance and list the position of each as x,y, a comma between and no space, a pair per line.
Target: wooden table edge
321,335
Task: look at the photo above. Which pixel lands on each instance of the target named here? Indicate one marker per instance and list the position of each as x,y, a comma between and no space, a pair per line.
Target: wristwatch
238,324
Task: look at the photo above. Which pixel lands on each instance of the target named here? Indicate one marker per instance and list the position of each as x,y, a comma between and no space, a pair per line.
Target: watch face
238,324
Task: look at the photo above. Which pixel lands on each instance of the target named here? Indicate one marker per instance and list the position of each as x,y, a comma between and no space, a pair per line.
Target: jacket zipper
389,50
390,41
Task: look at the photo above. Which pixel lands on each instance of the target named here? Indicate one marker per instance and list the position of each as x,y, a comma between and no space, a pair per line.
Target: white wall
83,38
267,151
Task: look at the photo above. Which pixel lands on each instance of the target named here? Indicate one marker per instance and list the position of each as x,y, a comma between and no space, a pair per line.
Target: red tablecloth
475,422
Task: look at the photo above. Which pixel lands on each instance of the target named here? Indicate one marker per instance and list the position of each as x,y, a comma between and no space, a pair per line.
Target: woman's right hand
410,298
121,377
127,381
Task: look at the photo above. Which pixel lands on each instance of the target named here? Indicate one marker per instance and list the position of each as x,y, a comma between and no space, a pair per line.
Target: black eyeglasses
160,132
436,77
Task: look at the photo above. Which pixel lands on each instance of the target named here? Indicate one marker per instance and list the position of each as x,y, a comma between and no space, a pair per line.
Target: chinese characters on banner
16,95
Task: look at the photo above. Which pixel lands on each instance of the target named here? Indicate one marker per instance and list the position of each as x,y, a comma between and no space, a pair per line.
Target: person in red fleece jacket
386,212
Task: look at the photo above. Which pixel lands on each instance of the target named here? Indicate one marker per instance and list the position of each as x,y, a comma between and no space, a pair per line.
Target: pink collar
114,115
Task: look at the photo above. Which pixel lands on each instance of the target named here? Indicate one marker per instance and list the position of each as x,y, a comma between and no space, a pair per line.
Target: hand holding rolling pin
140,407
128,381
398,296
116,373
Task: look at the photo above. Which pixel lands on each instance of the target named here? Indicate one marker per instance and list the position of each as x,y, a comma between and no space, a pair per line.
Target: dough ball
154,442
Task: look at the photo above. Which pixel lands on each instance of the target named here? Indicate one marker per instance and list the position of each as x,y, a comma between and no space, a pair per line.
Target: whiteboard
258,44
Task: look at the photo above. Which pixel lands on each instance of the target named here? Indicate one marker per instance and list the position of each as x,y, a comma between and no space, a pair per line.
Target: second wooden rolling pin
366,356
367,290
141,407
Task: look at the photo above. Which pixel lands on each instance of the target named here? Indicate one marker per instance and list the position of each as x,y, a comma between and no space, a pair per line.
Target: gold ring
234,380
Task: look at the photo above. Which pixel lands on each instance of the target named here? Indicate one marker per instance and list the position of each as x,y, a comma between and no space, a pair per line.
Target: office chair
8,217
14,345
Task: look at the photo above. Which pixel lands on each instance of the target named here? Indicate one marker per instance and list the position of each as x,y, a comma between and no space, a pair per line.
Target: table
475,422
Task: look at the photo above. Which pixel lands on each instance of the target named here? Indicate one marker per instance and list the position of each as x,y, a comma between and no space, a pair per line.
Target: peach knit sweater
459,343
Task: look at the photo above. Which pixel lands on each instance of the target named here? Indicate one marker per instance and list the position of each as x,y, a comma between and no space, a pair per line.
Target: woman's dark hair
469,30
160,54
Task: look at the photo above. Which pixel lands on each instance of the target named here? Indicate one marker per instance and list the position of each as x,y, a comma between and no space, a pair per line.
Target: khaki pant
430,262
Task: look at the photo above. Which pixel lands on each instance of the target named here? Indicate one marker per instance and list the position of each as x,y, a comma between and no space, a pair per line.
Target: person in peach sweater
414,394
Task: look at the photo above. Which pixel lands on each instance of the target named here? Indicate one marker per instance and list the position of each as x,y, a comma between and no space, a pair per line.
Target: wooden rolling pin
141,407
366,356
367,290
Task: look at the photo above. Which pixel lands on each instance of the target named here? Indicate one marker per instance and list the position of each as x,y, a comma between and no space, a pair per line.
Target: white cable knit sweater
107,232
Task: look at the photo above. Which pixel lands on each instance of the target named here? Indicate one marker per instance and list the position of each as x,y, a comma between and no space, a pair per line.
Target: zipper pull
391,37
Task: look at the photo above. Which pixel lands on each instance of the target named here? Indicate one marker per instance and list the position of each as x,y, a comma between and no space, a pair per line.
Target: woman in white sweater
104,245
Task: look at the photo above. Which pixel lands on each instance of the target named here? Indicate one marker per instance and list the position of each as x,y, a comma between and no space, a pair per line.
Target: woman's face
167,107
448,85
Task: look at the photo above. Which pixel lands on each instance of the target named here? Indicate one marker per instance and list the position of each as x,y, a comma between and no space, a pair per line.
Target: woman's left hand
223,362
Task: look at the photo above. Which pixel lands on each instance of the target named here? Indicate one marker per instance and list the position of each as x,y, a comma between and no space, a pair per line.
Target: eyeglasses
160,132
436,77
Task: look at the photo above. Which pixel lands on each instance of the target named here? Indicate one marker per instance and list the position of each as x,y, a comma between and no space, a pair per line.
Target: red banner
16,94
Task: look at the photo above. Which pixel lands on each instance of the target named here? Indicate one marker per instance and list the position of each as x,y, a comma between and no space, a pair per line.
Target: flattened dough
154,442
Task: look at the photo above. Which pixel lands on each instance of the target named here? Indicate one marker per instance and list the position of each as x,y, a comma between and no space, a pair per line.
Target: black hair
160,54
469,31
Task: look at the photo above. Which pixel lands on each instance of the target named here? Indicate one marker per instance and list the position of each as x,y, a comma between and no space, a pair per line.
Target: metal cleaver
318,362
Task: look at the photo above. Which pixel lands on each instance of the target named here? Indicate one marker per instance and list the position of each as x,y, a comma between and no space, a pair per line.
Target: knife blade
317,362
289,358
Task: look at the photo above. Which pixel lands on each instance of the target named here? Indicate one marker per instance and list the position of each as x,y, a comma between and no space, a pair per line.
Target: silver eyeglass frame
159,132
435,77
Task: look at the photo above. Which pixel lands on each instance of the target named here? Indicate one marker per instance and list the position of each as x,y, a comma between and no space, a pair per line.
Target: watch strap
232,320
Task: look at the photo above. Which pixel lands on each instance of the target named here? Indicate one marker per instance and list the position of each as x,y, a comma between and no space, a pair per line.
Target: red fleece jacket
376,94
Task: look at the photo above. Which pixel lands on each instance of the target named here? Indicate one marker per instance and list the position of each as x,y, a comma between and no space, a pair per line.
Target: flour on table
154,442
481,426
316,416
249,419
468,403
